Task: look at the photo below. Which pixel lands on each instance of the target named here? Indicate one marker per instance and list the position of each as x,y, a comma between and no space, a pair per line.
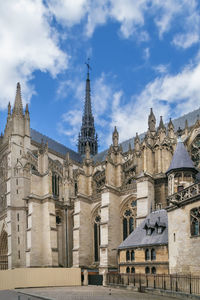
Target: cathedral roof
181,159
55,146
37,136
139,237
179,122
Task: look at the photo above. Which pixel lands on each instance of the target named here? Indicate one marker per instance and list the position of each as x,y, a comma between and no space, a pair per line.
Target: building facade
64,208
145,250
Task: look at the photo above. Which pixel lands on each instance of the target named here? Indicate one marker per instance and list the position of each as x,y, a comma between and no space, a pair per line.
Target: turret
181,172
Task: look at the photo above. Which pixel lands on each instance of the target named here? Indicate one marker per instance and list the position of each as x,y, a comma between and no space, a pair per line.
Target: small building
183,213
145,250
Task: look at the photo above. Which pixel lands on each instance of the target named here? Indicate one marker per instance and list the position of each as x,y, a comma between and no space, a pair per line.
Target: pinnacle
161,125
18,107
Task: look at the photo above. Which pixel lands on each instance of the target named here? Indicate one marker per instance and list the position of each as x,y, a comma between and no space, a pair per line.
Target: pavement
77,293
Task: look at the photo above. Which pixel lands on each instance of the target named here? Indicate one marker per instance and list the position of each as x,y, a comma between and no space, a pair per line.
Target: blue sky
143,53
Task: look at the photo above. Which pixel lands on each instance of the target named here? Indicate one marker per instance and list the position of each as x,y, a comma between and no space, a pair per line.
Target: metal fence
178,283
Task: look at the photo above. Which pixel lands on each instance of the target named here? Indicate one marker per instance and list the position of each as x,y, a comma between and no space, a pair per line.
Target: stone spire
87,133
18,107
115,137
152,121
161,125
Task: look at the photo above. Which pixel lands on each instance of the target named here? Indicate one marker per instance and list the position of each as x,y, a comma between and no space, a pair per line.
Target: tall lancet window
129,218
97,238
195,221
55,184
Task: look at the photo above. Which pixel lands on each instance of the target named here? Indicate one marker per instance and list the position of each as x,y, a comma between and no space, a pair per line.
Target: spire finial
88,68
115,137
161,125
9,109
152,121
18,107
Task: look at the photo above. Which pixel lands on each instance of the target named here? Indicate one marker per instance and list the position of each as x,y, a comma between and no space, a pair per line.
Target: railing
126,187
185,194
178,283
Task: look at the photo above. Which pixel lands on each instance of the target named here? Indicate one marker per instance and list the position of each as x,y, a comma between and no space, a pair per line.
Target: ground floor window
147,270
153,270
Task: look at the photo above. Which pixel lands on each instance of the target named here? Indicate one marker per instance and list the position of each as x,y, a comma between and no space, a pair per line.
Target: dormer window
149,228
159,230
149,231
160,226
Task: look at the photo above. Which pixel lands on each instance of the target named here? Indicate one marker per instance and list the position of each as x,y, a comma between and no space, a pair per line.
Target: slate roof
55,146
139,238
190,117
37,136
181,159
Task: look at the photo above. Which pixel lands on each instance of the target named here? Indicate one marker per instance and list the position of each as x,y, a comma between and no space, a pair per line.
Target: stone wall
183,249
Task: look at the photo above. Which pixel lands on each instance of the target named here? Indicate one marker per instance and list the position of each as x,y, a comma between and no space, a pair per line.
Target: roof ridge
47,137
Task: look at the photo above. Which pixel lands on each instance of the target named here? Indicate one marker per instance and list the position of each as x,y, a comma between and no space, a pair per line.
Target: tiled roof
139,238
181,159
55,146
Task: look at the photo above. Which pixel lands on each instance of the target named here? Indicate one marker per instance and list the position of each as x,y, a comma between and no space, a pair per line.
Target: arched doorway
3,250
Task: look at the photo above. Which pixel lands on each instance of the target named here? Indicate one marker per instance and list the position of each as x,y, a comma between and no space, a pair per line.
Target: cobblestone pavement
81,293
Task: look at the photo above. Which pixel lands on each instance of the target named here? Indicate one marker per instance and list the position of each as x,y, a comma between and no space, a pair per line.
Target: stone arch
3,250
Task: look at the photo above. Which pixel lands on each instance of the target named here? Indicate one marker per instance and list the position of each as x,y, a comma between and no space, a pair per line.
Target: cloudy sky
143,53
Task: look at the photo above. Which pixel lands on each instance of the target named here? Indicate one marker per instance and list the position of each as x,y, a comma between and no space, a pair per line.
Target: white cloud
68,12
131,15
161,68
146,53
27,44
169,95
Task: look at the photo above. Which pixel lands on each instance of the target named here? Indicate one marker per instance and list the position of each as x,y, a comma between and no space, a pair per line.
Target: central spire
88,108
87,133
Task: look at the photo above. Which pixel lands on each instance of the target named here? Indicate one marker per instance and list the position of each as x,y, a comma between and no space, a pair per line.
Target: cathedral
64,208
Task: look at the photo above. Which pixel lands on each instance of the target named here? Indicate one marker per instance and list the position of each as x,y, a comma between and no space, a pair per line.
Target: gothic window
58,220
133,270
132,255
55,184
129,219
97,240
3,251
147,254
127,270
153,254
127,255
195,221
147,270
75,188
153,270
195,151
